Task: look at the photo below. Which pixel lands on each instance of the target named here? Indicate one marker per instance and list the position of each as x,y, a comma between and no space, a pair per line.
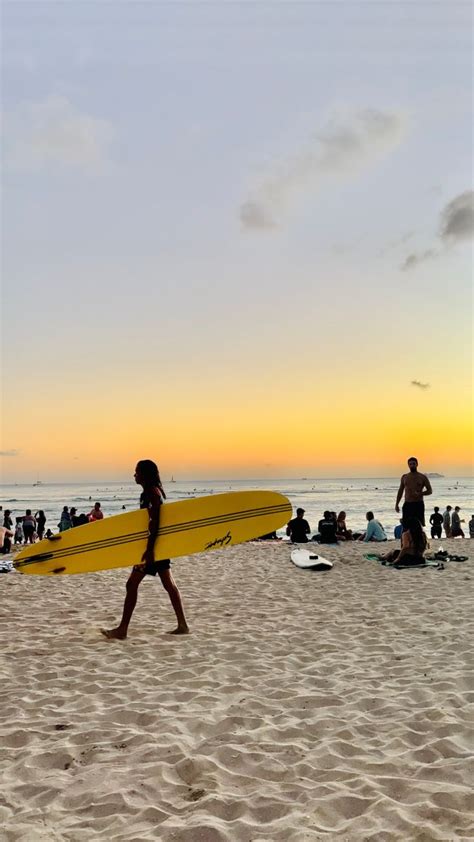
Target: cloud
397,243
457,218
456,225
342,149
419,385
55,133
253,215
414,259
12,452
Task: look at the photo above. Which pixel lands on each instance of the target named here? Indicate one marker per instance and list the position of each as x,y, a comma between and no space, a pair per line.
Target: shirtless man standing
415,486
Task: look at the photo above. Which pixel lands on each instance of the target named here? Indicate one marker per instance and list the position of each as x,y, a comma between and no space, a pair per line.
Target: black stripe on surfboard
186,526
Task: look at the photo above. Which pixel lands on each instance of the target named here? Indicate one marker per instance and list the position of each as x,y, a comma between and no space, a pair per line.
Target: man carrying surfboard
148,476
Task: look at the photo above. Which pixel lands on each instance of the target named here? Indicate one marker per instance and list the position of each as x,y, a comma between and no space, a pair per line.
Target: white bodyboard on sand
310,561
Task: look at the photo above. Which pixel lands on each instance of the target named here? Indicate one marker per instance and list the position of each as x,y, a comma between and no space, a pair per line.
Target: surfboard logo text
219,542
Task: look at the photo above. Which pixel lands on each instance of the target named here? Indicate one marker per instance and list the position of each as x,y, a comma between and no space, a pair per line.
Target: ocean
354,496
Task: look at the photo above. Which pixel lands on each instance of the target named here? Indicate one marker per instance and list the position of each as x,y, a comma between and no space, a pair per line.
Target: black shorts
154,567
28,531
416,510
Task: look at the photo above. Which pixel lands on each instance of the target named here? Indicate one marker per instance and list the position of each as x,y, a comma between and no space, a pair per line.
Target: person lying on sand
148,476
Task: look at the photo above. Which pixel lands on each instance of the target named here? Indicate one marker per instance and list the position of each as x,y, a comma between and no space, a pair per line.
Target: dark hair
412,459
28,511
414,527
341,516
300,510
96,504
150,473
41,513
436,508
370,515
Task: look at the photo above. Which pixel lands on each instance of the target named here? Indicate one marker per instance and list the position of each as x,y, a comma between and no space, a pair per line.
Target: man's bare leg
171,588
120,633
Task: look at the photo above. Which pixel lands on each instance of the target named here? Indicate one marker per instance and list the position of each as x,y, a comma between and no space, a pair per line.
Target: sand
303,706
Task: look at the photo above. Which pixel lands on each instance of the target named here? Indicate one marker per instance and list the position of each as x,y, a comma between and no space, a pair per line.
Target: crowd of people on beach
414,486
30,527
332,528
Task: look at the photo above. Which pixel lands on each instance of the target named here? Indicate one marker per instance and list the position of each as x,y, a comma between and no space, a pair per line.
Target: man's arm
370,530
288,529
153,527
427,485
307,528
400,494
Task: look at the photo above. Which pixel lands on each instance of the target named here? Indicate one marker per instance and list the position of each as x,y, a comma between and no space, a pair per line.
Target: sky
236,238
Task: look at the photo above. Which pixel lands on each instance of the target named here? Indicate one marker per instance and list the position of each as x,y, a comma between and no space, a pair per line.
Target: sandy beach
303,706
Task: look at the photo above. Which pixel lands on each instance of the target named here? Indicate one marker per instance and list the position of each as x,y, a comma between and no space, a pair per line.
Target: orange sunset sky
235,241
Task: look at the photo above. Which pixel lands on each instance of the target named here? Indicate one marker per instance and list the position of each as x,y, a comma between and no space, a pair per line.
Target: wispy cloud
342,149
415,258
457,218
55,133
255,215
419,385
12,452
456,224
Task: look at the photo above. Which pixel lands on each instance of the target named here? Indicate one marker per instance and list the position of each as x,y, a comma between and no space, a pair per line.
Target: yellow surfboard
189,526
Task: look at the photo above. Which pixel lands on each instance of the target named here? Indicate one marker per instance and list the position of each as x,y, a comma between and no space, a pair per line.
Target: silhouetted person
298,528
148,476
436,520
415,487
456,531
447,521
327,529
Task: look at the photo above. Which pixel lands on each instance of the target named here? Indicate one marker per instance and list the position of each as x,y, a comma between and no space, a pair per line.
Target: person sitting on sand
326,530
436,520
456,531
374,531
413,545
298,528
342,532
148,476
96,513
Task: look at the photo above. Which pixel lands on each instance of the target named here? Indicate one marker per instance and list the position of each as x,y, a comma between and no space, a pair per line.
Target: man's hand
397,508
148,557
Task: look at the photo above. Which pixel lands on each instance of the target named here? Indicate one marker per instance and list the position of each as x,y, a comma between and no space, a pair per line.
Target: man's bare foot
114,634
179,630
